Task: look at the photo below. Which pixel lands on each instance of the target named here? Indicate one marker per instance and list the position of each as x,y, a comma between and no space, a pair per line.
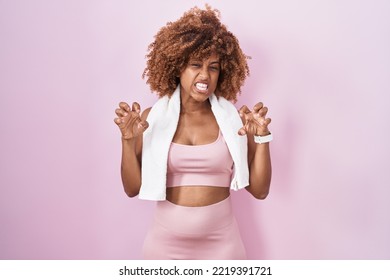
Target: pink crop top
200,165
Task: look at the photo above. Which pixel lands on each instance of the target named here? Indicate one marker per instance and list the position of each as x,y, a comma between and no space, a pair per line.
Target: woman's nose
204,72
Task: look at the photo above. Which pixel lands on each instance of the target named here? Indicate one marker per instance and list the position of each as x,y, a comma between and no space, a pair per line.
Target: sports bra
200,165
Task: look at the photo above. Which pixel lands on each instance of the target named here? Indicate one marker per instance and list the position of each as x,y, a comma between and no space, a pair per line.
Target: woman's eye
214,68
195,64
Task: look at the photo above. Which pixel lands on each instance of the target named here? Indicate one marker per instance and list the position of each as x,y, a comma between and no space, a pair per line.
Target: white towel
163,119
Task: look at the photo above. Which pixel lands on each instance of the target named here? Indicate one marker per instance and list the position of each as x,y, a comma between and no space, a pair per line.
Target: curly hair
197,34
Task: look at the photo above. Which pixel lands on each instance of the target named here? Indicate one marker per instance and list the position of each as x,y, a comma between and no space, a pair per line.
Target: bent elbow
261,196
258,192
131,193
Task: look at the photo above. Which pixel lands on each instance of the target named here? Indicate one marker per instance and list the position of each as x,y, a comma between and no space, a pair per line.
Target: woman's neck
190,106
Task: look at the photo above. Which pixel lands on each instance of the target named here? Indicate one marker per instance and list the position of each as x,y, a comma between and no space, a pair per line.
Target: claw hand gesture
256,122
129,121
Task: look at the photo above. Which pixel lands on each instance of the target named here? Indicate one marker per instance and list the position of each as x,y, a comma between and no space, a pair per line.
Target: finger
124,106
136,107
243,110
118,121
264,122
121,112
257,107
143,124
262,112
267,122
241,131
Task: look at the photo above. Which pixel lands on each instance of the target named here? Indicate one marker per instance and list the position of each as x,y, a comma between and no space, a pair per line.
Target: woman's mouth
202,87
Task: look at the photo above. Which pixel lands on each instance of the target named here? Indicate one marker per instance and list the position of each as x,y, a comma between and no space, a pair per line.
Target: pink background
322,68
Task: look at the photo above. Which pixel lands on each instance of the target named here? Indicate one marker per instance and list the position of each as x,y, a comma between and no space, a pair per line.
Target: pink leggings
181,232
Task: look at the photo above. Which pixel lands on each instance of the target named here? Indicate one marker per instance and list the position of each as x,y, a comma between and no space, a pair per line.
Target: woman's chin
201,94
200,97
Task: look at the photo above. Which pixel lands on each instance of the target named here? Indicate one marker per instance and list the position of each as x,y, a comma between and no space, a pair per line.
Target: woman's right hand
129,121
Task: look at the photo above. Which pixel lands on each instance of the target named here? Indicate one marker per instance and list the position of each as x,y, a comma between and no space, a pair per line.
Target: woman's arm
259,158
260,170
131,166
132,126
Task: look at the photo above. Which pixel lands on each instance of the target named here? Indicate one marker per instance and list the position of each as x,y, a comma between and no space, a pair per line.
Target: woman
192,147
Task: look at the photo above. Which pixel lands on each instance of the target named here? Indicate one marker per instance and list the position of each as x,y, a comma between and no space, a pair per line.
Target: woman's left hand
256,122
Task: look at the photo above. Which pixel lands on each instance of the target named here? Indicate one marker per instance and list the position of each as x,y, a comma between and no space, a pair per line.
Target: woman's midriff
196,196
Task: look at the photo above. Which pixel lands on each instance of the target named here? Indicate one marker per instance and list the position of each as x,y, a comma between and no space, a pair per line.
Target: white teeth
201,86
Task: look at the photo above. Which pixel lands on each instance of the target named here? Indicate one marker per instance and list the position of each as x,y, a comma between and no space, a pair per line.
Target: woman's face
200,78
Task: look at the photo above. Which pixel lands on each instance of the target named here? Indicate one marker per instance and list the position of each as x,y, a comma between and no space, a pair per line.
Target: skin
197,126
